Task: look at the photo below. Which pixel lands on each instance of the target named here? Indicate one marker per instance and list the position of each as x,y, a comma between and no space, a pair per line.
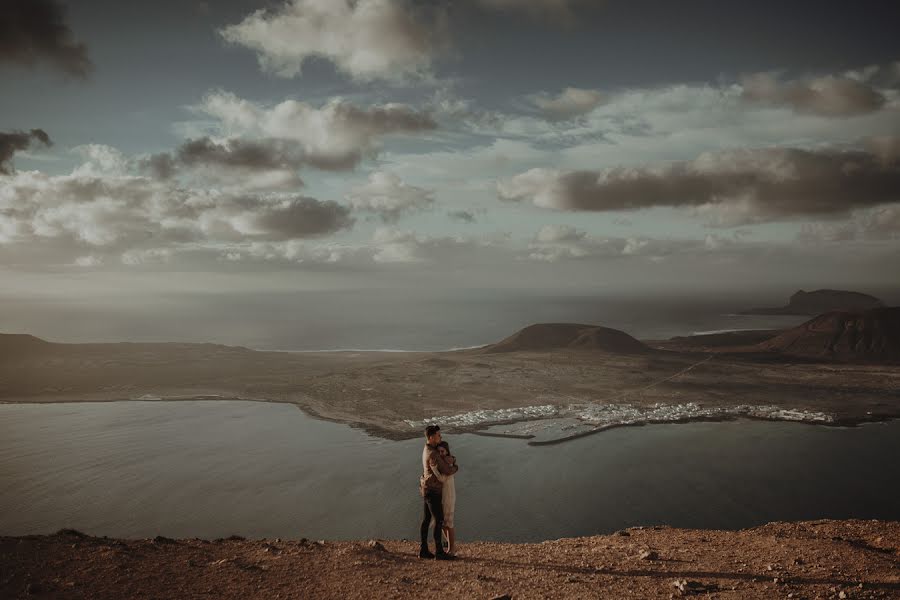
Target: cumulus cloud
36,30
336,136
732,187
15,141
568,104
365,39
830,96
137,219
388,196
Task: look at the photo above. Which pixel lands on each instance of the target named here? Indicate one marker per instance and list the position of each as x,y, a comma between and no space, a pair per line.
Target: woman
448,497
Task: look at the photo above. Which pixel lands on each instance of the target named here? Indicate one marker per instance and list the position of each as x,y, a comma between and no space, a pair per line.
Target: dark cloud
383,119
36,30
265,154
14,141
463,216
831,96
160,166
302,217
731,187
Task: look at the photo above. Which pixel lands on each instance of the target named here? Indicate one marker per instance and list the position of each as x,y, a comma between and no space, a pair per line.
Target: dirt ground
817,559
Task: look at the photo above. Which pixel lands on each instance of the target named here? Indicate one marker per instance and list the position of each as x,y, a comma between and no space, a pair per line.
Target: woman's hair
445,446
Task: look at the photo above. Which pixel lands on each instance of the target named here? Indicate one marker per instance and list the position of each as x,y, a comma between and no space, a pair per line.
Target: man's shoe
424,553
444,556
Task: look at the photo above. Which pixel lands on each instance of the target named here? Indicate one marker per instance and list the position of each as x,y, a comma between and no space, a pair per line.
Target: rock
376,545
686,588
502,597
843,594
163,540
320,542
649,555
623,533
32,589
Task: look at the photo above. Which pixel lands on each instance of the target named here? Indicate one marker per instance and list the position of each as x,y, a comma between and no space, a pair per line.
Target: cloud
300,217
568,104
264,154
109,214
365,39
827,232
36,30
876,224
554,243
882,223
389,197
14,141
732,187
336,136
558,233
463,216
160,166
829,96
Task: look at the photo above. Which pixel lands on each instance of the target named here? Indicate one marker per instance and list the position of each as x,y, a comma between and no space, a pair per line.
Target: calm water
210,469
375,319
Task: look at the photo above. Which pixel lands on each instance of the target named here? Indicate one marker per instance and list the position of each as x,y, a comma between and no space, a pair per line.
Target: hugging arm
440,466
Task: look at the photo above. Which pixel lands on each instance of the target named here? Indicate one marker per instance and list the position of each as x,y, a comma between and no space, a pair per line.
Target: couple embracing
438,489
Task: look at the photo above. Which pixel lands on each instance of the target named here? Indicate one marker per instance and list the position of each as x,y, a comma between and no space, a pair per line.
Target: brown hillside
552,336
13,345
871,335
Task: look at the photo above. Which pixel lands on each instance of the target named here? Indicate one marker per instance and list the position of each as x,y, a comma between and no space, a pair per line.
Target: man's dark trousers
434,508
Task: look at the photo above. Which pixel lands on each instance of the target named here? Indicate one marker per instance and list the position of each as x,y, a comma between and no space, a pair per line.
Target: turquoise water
216,468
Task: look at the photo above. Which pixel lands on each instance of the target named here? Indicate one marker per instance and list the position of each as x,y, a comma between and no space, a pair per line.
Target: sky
234,146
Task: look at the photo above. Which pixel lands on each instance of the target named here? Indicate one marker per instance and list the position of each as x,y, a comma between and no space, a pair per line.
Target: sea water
215,468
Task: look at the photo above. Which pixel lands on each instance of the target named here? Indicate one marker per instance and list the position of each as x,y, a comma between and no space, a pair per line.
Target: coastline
719,414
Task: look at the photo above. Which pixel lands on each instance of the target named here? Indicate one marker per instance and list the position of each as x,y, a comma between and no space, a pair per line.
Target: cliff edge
814,559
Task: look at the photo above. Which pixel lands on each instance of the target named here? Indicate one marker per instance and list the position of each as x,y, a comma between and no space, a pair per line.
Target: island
820,301
562,380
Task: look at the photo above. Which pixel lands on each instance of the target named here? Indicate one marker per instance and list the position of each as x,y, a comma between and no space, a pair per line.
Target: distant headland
820,301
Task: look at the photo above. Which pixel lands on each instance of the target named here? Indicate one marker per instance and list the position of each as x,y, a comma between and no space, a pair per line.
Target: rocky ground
817,559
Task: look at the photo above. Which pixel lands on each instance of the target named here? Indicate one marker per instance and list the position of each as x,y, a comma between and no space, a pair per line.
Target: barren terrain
390,393
819,559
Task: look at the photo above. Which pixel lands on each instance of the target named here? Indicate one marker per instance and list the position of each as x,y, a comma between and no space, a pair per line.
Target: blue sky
480,142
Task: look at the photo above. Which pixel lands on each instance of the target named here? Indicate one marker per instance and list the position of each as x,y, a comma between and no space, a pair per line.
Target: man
431,488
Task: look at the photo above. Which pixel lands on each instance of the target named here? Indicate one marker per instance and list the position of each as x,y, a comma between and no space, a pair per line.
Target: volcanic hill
870,336
552,336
